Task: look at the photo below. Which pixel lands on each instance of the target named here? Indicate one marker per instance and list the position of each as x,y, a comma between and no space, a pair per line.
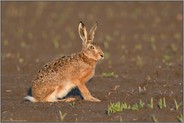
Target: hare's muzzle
102,56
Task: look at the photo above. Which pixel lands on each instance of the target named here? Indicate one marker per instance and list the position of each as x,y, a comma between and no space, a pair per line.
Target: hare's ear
82,31
92,32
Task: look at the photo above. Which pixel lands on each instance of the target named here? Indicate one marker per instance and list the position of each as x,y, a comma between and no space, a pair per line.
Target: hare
58,77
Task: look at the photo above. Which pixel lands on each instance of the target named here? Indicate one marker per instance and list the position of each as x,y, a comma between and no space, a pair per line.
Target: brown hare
56,78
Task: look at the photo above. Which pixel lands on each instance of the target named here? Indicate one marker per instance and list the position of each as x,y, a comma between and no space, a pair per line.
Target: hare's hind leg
52,96
60,92
63,90
69,99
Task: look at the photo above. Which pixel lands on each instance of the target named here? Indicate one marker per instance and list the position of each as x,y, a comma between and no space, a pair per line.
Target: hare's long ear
92,32
82,32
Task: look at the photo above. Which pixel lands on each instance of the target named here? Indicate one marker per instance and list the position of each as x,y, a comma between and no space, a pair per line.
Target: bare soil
142,42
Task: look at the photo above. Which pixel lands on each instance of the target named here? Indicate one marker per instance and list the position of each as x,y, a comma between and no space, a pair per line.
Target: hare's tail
30,98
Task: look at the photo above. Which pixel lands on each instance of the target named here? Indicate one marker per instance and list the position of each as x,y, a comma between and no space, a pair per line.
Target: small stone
8,91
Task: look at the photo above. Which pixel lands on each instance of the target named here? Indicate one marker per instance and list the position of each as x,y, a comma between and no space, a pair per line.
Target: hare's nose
102,55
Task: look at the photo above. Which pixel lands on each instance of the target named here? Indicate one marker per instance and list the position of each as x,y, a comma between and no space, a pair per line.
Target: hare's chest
87,74
92,74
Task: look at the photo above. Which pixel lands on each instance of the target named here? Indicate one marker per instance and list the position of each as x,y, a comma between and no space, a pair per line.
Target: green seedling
72,104
176,105
180,118
164,103
167,59
62,116
174,48
135,107
160,104
56,43
141,104
154,118
114,107
30,35
126,106
107,55
118,107
138,106
152,39
109,74
139,61
108,38
22,44
138,46
151,103
106,45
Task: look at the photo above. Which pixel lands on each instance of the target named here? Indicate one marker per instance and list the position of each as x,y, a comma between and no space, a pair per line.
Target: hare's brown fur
59,76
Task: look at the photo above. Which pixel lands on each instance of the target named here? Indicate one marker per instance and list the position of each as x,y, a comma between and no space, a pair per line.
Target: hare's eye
91,47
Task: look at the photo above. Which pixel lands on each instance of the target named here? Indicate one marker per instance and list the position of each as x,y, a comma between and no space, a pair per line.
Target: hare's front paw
93,99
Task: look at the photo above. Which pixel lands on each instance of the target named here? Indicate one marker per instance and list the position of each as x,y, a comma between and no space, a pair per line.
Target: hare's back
60,66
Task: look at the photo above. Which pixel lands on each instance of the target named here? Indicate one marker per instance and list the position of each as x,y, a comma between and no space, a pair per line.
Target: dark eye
91,47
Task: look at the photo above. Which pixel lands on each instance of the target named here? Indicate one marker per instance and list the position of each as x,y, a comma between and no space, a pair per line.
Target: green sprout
135,107
126,106
176,105
22,44
56,43
106,45
114,107
138,46
30,35
162,103
180,118
174,48
151,103
139,61
109,74
72,104
141,104
107,55
154,118
62,115
118,107
167,59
